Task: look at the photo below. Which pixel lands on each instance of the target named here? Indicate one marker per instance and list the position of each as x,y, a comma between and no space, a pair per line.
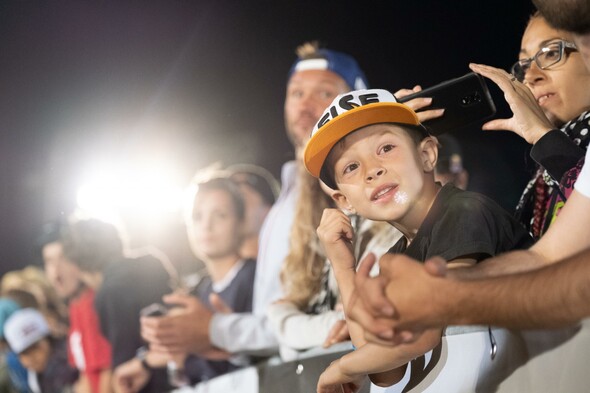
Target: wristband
141,354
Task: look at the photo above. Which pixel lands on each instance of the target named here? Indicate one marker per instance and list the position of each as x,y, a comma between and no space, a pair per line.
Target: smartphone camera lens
471,99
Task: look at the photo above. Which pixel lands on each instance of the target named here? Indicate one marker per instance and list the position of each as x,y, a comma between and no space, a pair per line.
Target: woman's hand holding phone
419,103
528,120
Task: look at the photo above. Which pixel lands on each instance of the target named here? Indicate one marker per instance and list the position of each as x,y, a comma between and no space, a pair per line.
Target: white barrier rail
526,361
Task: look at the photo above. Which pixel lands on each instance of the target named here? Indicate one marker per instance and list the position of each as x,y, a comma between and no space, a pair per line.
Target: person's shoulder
244,278
138,271
471,200
471,208
136,265
82,299
248,268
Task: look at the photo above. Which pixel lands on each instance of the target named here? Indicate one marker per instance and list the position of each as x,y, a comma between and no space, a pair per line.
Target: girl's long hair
303,267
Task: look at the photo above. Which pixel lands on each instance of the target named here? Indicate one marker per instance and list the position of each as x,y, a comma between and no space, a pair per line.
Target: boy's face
381,172
36,356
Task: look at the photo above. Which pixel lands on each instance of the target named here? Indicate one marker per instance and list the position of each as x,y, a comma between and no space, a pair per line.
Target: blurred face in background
563,89
256,207
309,92
36,356
215,230
63,274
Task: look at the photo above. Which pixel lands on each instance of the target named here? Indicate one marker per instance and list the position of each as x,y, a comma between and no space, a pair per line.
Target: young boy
44,356
381,161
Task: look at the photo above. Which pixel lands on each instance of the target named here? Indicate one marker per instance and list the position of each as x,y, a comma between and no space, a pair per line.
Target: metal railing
525,361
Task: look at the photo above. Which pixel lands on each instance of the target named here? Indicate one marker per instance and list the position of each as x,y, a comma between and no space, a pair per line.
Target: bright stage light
147,190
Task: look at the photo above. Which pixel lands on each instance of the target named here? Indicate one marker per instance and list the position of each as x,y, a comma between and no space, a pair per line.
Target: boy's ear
429,153
342,201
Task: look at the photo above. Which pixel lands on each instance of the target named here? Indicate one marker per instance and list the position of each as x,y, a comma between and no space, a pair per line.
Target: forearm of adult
507,263
568,234
553,296
243,333
557,153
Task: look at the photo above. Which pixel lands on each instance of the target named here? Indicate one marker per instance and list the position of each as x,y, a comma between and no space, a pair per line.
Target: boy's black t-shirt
462,223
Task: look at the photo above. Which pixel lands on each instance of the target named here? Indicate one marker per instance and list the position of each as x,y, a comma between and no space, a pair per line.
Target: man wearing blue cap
316,77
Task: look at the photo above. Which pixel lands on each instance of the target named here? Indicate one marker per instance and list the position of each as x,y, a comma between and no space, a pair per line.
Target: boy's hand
333,380
418,103
338,333
219,306
336,234
130,377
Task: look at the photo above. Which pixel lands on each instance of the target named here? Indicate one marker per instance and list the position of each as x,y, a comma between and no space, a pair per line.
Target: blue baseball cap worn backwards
340,63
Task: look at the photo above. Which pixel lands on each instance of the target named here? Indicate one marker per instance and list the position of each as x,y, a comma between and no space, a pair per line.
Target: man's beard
297,139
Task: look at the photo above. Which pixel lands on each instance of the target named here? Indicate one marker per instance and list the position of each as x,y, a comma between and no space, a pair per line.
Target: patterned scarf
542,188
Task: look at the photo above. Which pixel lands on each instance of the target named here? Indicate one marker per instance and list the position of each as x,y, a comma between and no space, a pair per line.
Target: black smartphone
154,310
466,100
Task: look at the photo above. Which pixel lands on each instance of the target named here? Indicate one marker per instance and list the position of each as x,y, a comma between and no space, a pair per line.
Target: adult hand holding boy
396,306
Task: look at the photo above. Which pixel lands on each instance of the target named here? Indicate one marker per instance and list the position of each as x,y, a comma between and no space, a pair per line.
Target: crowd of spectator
293,267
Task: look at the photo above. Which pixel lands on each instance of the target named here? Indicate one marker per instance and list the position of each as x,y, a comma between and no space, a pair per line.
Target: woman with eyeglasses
548,91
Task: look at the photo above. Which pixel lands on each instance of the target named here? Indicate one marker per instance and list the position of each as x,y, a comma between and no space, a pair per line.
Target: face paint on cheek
401,197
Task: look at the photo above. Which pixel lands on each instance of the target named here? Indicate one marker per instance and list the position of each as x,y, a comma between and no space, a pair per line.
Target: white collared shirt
252,332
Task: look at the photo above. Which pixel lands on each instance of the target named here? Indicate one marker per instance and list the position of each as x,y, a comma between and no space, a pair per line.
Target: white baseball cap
24,328
347,113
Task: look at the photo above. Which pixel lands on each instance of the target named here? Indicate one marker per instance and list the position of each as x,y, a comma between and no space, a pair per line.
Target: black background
194,82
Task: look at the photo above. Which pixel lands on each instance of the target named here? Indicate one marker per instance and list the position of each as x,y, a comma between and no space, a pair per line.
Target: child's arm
389,363
336,234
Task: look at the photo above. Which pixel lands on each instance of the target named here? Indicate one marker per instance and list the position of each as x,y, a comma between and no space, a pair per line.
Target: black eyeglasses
548,56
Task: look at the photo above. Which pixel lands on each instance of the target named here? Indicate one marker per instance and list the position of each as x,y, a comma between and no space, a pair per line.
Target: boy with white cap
13,376
28,335
378,157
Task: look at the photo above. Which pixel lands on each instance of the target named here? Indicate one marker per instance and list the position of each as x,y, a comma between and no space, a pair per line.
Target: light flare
401,197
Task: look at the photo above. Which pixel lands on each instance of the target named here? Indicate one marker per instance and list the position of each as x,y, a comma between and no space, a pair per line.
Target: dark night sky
193,82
